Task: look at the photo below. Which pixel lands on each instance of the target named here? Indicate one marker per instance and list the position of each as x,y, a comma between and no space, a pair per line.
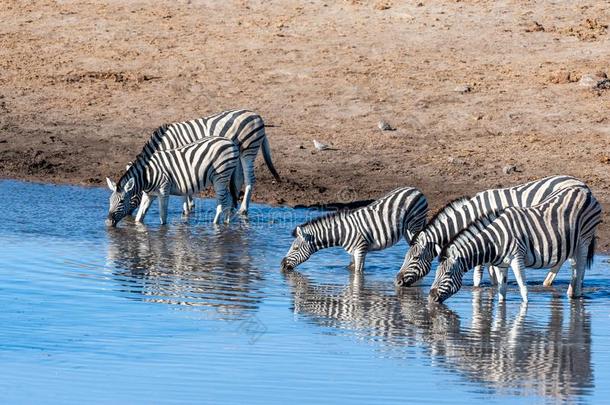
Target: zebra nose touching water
183,171
562,227
379,225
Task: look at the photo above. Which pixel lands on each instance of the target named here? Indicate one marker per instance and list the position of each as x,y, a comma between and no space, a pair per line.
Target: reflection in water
551,358
185,266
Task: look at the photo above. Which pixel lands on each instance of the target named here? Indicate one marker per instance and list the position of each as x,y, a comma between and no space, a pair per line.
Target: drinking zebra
456,215
245,128
183,171
377,226
543,236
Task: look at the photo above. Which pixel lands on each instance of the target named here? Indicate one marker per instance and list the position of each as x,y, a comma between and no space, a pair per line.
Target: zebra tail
591,252
267,156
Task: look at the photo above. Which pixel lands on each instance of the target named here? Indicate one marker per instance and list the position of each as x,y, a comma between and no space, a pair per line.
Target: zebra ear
453,251
129,185
111,184
299,232
128,165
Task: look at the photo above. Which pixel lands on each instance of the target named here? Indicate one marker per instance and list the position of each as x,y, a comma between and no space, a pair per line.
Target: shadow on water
208,268
509,354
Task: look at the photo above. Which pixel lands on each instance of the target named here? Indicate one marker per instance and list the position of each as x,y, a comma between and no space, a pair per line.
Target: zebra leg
191,202
359,257
163,200
186,209
477,276
550,277
493,279
223,201
249,179
144,206
502,284
578,271
351,264
218,214
518,270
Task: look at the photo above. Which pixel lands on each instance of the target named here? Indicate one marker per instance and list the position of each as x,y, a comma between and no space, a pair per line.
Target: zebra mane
150,147
441,214
330,215
473,228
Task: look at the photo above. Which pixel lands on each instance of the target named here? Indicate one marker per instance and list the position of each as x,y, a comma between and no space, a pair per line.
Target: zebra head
301,249
135,198
449,276
120,201
418,261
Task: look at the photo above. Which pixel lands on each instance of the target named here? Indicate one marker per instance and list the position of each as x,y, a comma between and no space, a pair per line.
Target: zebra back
547,233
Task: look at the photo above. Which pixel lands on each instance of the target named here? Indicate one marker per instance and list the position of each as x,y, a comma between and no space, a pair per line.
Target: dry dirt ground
83,84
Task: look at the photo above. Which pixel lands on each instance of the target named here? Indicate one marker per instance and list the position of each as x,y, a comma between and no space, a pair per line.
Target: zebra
377,226
457,214
182,171
543,236
245,128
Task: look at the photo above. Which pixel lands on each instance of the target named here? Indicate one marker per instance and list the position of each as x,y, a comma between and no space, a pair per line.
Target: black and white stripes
456,215
245,128
183,171
401,213
561,227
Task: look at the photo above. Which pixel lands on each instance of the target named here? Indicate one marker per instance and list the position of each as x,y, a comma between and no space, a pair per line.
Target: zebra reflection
186,266
540,355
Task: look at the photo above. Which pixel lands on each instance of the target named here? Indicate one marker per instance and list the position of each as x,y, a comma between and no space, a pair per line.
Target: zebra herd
540,224
185,158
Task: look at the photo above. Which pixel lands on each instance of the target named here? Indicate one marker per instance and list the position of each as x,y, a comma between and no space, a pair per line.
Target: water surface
196,313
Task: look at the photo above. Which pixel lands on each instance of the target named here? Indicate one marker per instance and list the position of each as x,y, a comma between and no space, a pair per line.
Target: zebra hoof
243,213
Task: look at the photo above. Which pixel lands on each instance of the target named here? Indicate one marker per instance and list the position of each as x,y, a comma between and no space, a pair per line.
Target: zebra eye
295,247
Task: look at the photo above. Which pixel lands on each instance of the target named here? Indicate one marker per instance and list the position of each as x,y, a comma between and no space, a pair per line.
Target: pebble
456,161
594,81
509,169
384,126
464,88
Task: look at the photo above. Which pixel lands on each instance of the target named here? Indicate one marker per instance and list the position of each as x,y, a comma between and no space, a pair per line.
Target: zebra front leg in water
477,276
187,205
493,279
501,274
147,199
518,270
550,277
163,202
359,257
223,201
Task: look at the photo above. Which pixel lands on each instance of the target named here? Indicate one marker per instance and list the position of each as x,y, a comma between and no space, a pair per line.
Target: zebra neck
141,176
330,234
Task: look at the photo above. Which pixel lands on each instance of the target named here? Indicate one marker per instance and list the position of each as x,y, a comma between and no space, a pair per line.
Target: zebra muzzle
285,265
110,222
434,295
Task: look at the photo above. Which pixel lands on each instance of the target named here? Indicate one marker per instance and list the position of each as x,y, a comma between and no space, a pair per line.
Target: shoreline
603,235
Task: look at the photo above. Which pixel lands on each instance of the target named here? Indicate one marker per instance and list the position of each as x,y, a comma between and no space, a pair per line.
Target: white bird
320,145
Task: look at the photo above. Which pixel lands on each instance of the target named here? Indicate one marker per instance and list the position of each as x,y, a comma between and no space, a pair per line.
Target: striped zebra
562,227
457,214
183,171
245,128
376,226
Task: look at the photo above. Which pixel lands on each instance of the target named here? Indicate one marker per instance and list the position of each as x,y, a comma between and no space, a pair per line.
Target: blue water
196,313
